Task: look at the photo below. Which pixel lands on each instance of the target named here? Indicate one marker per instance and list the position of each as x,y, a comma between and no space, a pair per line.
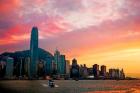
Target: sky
104,32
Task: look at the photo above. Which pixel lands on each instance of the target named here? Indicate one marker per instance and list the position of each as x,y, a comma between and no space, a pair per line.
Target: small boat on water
51,83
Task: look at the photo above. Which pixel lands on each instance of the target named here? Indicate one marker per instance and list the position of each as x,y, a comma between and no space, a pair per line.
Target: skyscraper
122,74
114,73
60,61
83,71
9,67
33,53
27,65
48,66
74,69
103,70
68,67
57,60
96,70
54,68
62,64
41,68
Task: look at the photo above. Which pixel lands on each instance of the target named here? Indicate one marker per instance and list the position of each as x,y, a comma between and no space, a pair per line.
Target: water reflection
70,86
117,91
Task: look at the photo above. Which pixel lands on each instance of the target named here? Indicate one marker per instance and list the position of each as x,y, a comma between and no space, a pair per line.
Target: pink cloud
56,20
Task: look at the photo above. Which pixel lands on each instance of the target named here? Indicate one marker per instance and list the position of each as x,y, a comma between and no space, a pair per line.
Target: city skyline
37,63
109,38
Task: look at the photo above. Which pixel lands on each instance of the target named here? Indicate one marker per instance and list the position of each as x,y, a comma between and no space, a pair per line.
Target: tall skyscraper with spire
33,53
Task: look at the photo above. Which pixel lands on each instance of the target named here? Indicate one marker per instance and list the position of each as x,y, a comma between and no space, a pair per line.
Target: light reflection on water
114,87
117,91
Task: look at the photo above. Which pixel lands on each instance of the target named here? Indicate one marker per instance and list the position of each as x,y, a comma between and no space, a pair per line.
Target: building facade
103,71
9,68
83,71
67,67
75,69
34,53
114,73
57,60
96,71
48,66
62,64
27,66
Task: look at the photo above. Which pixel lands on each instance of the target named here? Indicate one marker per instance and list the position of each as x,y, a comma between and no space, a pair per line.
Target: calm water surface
70,86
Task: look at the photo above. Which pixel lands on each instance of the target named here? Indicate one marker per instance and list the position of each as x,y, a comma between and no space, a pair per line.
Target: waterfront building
54,68
34,53
62,64
114,73
67,67
9,68
96,71
90,71
83,71
1,70
74,69
60,61
40,68
57,61
48,66
122,74
103,71
27,66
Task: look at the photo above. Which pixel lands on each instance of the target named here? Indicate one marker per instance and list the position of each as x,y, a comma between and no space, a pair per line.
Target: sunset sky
106,32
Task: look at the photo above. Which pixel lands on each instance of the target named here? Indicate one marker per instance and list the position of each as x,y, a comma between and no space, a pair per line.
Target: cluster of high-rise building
102,73
83,72
116,74
37,63
6,67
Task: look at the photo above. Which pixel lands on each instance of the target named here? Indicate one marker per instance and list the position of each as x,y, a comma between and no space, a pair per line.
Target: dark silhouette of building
41,68
90,71
54,68
83,71
114,73
2,69
96,70
74,69
103,71
34,53
67,68
122,74
9,68
26,64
